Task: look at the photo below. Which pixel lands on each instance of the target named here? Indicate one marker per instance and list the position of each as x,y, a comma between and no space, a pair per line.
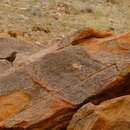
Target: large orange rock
58,81
113,114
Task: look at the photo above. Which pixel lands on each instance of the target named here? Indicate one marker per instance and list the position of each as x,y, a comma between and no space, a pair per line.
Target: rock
88,33
59,81
112,114
9,45
111,50
12,103
15,34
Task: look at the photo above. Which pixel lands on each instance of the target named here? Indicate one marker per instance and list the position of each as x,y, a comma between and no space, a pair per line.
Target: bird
10,58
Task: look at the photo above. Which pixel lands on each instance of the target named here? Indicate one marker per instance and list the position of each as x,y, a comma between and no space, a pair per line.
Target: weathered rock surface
113,114
53,83
8,45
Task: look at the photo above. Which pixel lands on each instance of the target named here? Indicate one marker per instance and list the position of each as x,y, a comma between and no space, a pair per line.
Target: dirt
47,21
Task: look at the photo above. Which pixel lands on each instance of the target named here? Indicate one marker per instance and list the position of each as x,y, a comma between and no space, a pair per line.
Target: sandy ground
44,21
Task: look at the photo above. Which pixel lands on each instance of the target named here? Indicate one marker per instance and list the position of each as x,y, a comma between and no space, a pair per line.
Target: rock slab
52,84
113,114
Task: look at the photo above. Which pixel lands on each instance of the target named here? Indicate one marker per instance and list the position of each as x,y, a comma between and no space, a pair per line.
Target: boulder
52,83
112,114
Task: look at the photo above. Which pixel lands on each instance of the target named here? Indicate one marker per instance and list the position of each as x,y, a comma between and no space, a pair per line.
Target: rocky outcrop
49,85
113,114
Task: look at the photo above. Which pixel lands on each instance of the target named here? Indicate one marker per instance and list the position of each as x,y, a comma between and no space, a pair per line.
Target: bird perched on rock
10,58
